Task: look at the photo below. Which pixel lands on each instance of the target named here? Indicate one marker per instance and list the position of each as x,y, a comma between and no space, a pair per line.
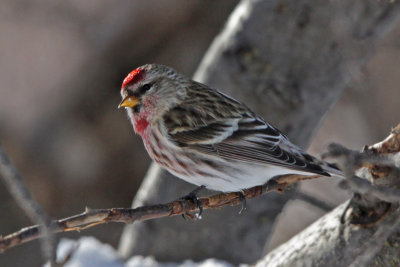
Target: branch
362,186
321,204
361,231
378,160
93,217
22,196
370,249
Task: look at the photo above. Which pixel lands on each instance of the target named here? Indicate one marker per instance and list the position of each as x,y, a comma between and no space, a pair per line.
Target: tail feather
330,168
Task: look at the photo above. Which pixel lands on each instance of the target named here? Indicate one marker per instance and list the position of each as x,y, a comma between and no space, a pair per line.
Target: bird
208,138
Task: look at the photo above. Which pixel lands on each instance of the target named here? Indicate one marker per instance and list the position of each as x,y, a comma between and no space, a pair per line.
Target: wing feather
228,129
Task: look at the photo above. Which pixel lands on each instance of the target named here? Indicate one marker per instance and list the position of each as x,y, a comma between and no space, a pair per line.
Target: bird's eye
145,88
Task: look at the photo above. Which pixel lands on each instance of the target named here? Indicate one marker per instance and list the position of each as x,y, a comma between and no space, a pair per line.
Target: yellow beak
129,102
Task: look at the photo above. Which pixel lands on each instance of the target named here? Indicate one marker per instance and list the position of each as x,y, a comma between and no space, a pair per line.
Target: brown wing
212,123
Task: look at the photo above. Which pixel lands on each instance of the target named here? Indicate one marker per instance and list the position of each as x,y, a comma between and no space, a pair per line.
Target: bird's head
149,91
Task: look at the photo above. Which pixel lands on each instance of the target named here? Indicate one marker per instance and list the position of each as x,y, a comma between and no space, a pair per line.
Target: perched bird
206,137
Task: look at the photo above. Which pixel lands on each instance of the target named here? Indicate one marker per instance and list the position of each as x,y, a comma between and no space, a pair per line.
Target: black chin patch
137,108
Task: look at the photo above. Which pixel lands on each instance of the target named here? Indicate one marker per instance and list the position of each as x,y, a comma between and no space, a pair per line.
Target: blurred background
61,68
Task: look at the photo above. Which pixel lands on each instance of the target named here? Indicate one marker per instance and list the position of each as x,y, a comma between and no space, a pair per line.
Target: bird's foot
242,200
194,198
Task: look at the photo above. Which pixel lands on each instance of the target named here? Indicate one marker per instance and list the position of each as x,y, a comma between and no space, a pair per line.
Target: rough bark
94,217
327,242
362,232
289,61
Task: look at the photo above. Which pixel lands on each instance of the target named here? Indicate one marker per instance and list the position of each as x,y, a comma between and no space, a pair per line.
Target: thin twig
363,186
22,196
93,217
380,154
319,203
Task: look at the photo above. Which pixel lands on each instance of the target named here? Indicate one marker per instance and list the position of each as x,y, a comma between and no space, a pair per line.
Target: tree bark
327,242
289,61
362,232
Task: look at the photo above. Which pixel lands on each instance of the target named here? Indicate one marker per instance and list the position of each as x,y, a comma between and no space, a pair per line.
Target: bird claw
193,197
242,200
191,216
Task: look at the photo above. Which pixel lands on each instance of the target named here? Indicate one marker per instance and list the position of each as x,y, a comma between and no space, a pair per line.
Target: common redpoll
206,137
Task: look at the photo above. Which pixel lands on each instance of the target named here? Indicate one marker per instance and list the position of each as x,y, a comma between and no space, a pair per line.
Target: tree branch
321,204
93,217
359,232
377,161
372,248
350,160
22,196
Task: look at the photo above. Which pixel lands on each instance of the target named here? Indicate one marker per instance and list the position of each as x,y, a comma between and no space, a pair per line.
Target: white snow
88,252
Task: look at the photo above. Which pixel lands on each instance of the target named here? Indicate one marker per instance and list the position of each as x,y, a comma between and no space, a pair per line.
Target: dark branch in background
32,209
325,206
